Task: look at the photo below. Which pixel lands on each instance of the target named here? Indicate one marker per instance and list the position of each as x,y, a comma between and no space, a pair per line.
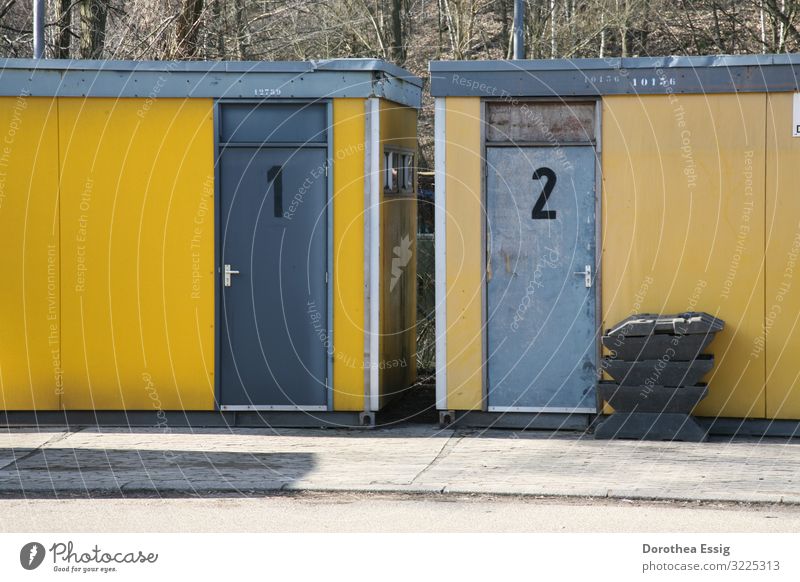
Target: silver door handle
587,275
227,275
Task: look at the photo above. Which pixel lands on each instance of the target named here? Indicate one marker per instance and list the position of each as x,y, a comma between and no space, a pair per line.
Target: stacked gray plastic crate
657,362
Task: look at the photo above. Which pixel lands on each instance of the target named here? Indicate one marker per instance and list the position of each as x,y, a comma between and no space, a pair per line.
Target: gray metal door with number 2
541,347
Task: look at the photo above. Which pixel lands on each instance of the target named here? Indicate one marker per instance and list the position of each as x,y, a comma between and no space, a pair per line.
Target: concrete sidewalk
414,459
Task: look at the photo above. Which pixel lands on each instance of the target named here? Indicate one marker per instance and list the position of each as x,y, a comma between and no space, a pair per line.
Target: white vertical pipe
440,252
519,29
38,29
374,212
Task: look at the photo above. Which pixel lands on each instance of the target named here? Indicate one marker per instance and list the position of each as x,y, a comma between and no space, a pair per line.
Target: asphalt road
346,512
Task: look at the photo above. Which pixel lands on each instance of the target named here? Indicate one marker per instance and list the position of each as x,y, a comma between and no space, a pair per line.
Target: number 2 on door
539,212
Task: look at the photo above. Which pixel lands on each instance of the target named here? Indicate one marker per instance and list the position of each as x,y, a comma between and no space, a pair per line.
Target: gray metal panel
274,314
541,316
399,91
344,65
376,65
280,122
217,256
272,408
359,78
329,264
594,77
521,420
751,427
158,66
672,61
130,419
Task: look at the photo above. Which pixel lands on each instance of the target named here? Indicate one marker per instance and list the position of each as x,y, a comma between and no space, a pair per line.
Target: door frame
598,249
218,288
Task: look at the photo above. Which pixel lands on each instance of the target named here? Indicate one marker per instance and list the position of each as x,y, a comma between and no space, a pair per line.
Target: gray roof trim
618,63
217,79
614,76
355,65
376,65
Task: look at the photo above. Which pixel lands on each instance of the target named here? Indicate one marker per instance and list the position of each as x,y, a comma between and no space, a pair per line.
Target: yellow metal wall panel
397,361
348,253
465,253
398,126
137,239
30,369
683,225
398,358
782,321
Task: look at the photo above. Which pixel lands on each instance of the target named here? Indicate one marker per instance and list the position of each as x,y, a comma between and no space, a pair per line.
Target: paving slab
238,460
537,463
416,459
17,443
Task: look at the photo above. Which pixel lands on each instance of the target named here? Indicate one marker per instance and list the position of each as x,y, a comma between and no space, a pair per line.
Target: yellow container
693,163
114,179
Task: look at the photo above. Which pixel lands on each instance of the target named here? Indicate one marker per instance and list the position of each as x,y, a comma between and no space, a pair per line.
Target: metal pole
38,29
519,29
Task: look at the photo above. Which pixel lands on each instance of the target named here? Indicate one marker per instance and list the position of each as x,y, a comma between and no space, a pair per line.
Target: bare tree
785,12
93,28
398,49
187,29
460,17
63,32
241,30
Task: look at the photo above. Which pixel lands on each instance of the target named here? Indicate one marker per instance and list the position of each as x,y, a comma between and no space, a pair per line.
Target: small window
541,122
388,174
398,172
408,173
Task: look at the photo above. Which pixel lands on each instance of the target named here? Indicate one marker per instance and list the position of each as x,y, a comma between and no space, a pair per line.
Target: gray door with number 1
273,305
542,345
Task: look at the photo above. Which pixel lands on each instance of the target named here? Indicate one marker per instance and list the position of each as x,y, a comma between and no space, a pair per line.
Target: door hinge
326,168
326,277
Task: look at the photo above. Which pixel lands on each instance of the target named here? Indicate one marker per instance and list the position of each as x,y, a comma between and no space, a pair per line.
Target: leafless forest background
407,32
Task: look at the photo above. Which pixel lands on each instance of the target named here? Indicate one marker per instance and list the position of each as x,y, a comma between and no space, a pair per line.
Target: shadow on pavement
116,472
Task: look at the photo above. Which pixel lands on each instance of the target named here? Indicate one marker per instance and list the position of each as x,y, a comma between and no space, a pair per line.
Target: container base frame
515,420
178,419
753,427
